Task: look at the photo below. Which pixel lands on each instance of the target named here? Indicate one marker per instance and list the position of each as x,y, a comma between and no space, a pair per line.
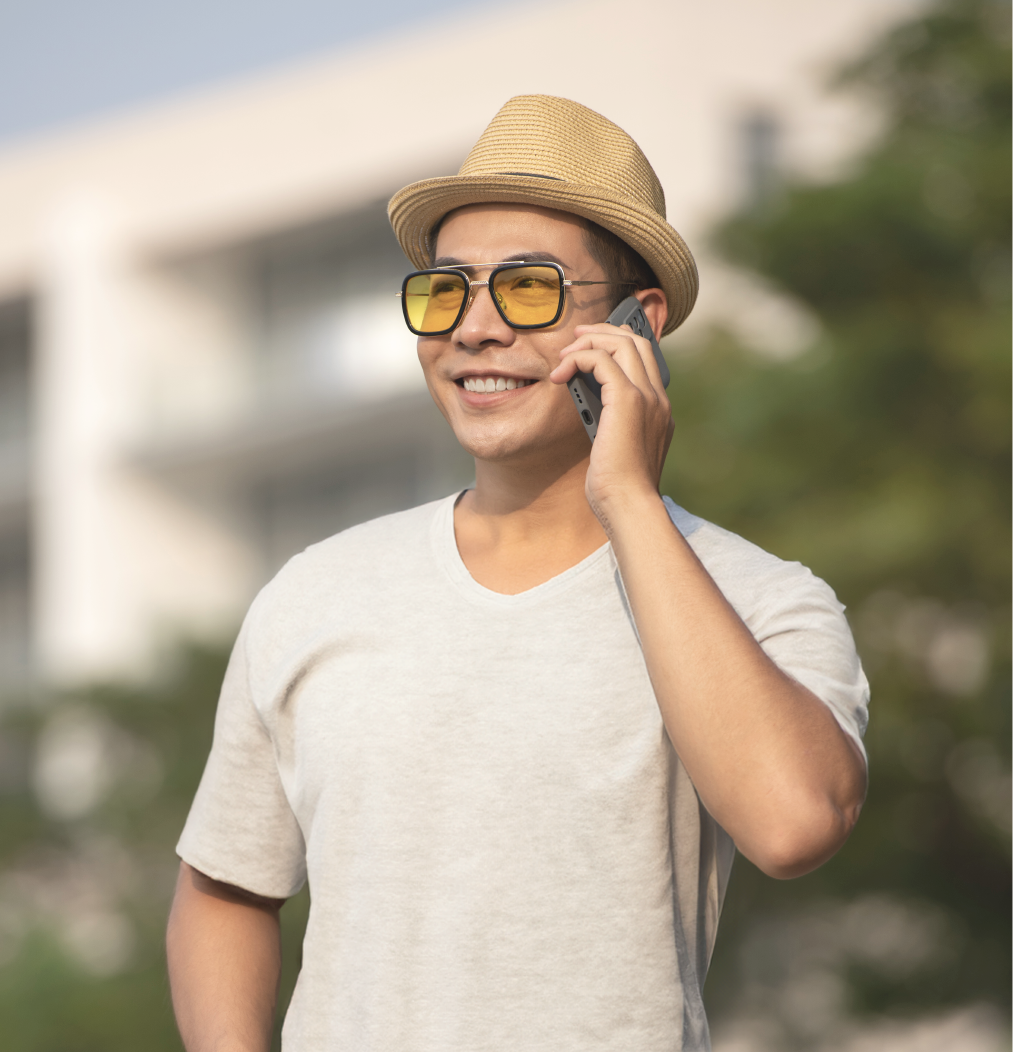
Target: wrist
628,509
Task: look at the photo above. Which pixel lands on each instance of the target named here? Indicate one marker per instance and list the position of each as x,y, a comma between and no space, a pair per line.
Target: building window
15,505
760,147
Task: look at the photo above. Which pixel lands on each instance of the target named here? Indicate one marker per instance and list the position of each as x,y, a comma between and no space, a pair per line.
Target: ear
655,306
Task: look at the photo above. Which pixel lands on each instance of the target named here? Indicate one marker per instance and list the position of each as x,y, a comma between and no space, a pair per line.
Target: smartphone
586,390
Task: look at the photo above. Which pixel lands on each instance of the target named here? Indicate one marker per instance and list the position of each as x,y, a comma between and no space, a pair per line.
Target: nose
482,323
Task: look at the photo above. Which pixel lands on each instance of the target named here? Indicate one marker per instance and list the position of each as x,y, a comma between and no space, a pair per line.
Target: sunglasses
527,295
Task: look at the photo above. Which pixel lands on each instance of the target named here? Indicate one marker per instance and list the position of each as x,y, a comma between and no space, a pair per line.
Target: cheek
428,352
549,342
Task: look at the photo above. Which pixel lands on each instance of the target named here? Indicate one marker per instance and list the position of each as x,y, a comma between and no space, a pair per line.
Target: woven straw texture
556,153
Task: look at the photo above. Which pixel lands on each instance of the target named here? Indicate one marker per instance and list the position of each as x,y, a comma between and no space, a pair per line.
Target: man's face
535,417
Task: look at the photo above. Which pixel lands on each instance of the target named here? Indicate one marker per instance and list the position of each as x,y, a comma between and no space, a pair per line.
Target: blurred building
203,366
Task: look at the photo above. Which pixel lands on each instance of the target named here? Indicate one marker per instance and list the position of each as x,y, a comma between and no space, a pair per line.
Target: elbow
804,842
810,824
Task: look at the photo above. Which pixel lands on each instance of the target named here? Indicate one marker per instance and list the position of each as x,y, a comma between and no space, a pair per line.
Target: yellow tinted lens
433,301
528,295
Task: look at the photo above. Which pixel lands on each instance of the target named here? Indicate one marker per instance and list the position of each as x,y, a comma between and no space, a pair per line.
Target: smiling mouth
490,384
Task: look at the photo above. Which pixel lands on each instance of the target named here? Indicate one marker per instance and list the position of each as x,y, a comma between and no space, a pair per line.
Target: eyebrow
517,257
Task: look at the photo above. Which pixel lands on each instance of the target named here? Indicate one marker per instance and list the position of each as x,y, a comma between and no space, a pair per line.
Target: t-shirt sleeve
241,829
803,630
795,617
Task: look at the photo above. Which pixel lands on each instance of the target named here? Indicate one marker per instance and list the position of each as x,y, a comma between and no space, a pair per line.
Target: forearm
224,956
769,760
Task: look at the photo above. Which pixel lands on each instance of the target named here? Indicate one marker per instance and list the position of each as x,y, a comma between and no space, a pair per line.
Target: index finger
644,346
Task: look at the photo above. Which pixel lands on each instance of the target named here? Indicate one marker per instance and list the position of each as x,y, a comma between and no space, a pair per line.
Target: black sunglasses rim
467,296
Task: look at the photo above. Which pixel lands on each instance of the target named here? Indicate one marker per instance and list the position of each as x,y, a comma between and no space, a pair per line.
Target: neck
525,523
540,495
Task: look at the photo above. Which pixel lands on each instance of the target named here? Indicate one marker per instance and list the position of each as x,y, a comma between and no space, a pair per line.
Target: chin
504,443
495,444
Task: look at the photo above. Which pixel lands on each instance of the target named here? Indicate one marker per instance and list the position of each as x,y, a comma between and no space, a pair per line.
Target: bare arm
768,759
224,953
766,756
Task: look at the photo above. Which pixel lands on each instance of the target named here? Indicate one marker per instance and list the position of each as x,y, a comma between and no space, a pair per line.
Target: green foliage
60,991
880,458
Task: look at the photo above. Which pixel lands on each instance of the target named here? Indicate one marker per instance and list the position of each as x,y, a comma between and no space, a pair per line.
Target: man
513,737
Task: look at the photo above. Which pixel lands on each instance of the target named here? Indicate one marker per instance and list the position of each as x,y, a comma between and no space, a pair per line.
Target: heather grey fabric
503,850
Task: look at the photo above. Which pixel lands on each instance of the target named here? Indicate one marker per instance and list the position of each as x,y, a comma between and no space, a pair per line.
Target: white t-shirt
503,850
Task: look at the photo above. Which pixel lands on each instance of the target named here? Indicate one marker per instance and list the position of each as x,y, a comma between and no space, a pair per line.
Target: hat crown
554,153
555,138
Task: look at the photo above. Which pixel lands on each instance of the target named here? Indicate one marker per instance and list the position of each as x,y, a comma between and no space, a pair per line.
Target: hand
636,426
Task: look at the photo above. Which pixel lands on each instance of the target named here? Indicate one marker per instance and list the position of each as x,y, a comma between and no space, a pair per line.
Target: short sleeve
241,829
794,616
803,630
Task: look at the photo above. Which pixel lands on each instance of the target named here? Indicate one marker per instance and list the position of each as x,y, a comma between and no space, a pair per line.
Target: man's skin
768,759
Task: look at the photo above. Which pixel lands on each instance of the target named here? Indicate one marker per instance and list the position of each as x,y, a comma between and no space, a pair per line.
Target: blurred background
203,369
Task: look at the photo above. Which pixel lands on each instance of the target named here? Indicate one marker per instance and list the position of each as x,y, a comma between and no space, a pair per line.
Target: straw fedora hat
553,152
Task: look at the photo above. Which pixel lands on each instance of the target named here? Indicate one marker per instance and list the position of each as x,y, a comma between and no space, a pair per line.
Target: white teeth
489,384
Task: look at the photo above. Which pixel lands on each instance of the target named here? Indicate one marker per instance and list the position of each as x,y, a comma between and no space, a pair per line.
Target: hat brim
415,211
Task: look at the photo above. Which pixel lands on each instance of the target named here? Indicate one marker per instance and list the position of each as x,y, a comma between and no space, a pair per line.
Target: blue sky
64,61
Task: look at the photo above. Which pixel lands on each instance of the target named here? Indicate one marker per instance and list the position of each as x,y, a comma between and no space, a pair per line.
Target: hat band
533,175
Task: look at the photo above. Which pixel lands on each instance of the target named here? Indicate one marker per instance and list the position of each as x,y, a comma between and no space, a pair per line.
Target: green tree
880,458
87,868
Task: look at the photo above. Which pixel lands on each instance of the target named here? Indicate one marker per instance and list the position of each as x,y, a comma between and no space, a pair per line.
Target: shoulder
755,582
792,614
352,565
387,531
392,537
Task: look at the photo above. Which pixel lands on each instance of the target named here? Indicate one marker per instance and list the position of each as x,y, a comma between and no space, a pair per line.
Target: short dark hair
620,263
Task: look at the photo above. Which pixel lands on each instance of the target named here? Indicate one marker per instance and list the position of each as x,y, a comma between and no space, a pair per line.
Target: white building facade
203,366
